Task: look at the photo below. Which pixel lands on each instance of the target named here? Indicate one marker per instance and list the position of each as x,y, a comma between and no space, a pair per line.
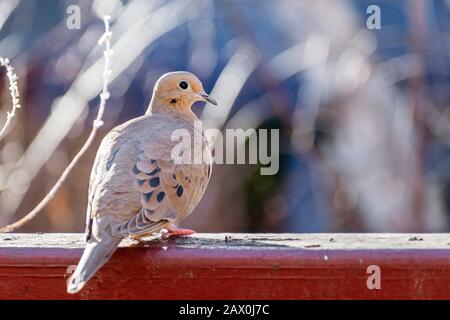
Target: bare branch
13,90
98,122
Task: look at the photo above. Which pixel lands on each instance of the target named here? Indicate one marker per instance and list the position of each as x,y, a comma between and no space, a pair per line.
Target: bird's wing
167,190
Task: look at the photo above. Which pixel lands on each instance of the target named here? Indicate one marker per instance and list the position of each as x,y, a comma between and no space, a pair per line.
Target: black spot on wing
158,169
154,182
179,191
135,170
88,230
140,182
147,196
160,196
111,159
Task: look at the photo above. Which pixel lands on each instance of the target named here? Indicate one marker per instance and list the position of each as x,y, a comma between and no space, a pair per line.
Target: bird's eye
183,85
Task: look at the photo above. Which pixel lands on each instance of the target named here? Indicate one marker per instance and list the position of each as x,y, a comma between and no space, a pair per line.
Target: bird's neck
171,107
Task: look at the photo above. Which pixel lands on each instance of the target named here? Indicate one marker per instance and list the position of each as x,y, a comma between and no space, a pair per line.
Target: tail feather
95,255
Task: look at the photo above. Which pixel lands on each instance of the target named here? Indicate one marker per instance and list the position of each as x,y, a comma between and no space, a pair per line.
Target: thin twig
98,122
13,90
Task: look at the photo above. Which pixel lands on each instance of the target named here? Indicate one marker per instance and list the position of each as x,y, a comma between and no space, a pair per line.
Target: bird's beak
207,98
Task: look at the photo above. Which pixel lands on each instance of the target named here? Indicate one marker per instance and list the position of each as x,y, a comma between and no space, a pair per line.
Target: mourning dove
136,188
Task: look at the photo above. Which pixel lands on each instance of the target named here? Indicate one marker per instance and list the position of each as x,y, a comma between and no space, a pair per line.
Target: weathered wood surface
233,266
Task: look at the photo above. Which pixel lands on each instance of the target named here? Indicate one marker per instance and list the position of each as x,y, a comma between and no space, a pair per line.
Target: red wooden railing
235,266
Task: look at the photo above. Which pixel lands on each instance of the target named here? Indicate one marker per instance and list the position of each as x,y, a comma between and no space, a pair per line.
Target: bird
136,188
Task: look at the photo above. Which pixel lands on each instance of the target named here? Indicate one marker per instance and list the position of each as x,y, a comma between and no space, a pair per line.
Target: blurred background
364,115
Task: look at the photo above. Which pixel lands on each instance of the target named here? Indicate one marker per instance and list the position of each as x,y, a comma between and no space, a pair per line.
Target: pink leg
173,232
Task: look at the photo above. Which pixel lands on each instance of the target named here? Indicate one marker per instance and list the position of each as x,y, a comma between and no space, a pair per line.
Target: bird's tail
95,255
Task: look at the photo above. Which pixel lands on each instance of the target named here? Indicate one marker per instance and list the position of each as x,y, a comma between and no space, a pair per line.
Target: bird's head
180,89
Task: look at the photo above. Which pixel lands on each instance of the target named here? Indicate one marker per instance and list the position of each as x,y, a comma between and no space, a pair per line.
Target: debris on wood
312,246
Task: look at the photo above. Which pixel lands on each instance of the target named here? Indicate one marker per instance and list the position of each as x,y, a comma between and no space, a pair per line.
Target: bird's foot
174,232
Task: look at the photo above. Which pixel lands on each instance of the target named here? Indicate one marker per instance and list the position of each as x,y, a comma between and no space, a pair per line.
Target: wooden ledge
234,266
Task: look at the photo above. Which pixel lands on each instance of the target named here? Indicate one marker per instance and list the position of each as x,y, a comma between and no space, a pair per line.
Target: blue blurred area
313,191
